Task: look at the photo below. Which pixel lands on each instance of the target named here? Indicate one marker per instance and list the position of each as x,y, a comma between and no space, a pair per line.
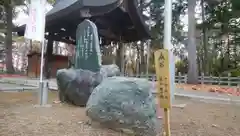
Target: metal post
42,58
168,24
43,93
43,87
35,30
168,44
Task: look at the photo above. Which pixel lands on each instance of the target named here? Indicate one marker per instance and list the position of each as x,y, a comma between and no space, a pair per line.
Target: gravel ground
19,117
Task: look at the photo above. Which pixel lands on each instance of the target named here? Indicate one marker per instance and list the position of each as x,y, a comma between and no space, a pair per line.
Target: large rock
76,85
124,104
110,70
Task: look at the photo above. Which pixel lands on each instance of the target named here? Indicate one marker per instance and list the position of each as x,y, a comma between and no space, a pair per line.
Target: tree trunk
235,50
228,51
8,42
138,61
192,51
24,56
120,57
123,58
204,31
57,48
147,58
199,64
142,59
31,46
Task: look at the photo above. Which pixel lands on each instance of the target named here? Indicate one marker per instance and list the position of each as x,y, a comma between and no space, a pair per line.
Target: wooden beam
48,58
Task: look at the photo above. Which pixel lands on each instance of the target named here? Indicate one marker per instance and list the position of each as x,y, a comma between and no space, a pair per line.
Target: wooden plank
162,66
163,77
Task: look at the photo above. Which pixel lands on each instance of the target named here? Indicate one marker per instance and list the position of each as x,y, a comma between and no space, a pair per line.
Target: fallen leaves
235,91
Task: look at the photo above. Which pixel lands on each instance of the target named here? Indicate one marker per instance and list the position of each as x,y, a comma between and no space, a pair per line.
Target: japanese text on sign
35,27
163,77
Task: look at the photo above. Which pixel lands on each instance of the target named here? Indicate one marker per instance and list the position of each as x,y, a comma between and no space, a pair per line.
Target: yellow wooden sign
163,77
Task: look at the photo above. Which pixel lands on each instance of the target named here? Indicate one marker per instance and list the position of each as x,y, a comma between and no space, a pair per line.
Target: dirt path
18,117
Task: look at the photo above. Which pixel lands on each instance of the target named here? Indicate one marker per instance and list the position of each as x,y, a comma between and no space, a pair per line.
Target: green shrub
233,72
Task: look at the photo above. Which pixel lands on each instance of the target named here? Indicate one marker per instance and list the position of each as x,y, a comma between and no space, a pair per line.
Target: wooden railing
213,80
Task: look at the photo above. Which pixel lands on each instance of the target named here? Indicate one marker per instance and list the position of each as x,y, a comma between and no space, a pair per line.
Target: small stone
214,125
179,106
80,122
56,102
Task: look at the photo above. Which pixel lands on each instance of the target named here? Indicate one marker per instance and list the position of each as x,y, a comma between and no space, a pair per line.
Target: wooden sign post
162,66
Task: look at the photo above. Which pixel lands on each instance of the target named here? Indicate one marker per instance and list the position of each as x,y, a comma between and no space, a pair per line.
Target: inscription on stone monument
88,55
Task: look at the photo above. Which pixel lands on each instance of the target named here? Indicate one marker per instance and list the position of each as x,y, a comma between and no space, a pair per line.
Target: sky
23,17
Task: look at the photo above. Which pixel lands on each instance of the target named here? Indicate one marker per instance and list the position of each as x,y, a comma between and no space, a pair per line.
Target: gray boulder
124,104
110,70
76,85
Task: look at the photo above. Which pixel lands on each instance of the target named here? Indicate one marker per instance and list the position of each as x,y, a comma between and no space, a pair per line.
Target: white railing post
211,79
219,80
202,78
229,79
147,75
142,75
238,89
179,77
238,85
155,78
185,78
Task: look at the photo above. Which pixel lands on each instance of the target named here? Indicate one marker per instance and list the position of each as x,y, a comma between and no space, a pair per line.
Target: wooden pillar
48,58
